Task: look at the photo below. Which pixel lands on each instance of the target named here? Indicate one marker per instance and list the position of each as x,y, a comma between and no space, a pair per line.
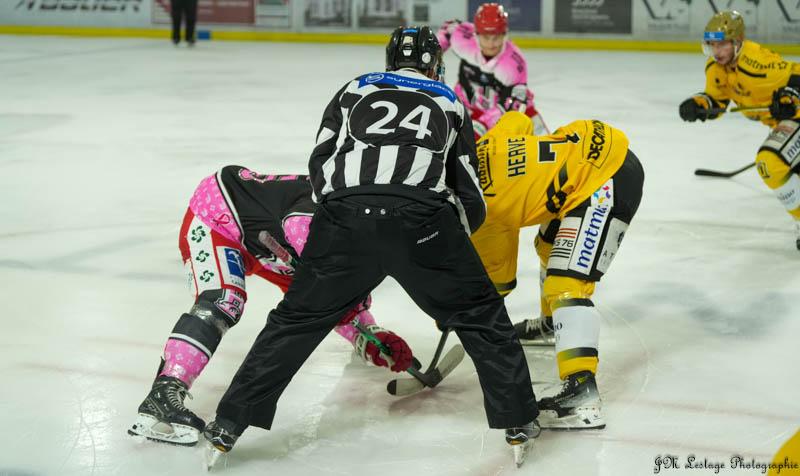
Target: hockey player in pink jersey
492,75
222,240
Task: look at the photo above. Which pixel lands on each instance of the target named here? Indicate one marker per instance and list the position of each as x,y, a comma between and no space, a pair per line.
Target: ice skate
576,407
163,418
219,440
537,331
521,440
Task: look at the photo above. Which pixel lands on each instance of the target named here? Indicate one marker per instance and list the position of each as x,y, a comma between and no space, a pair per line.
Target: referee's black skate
538,331
576,407
164,418
220,436
521,440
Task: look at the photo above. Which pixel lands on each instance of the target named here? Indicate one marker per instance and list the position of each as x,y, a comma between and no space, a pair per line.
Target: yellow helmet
725,25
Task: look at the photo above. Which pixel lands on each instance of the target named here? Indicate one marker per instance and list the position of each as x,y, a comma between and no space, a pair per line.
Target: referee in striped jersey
394,172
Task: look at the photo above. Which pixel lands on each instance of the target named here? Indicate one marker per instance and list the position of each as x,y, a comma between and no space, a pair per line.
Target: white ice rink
102,141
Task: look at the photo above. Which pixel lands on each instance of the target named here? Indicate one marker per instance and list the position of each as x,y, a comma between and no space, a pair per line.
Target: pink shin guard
183,361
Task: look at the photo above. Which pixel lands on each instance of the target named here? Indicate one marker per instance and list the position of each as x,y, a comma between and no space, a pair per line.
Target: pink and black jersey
240,203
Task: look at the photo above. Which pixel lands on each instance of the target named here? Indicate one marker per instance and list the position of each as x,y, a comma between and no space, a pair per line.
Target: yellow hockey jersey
528,180
758,72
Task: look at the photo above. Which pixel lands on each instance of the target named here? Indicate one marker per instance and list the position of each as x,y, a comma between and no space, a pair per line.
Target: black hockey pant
353,244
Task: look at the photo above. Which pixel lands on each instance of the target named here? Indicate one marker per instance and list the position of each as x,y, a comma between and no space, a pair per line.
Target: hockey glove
697,107
785,103
518,99
401,355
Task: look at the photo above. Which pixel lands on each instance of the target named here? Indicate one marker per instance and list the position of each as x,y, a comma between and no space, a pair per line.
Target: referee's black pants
353,244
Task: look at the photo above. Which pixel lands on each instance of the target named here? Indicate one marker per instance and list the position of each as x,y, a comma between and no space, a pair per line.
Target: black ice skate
521,440
163,418
220,437
576,407
537,331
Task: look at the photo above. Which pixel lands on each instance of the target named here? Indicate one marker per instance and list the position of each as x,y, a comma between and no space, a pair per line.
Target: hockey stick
279,251
716,173
720,110
434,374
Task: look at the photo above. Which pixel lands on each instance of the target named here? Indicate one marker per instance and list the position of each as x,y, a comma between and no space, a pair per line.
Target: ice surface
102,141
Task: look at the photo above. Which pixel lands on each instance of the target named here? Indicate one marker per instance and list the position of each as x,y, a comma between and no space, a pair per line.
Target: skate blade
211,455
549,342
171,433
584,418
521,451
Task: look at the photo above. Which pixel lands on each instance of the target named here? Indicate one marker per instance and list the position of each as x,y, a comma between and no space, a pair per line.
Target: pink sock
183,361
349,332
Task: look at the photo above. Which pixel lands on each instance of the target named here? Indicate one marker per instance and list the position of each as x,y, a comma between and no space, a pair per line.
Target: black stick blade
710,173
717,173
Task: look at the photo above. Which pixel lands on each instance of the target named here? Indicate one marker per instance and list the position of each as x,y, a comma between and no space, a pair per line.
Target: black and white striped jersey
398,133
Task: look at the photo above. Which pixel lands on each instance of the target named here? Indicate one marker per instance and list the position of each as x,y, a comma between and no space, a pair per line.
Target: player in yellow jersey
748,74
582,186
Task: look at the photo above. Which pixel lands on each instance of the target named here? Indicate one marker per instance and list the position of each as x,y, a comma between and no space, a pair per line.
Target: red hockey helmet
491,19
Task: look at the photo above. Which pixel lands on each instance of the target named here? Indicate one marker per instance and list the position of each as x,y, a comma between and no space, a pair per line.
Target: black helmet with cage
415,47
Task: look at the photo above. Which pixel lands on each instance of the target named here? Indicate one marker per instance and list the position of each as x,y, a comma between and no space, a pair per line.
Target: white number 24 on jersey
421,127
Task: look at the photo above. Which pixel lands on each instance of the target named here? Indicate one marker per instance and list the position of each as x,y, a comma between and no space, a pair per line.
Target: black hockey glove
697,107
785,102
689,110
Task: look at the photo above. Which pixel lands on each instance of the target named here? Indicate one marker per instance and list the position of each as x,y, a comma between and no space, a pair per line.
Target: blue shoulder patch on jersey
398,80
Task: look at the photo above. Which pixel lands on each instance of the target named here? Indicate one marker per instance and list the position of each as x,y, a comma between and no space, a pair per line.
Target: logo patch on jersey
247,174
591,229
516,157
589,238
784,139
604,195
789,193
616,232
373,78
597,153
198,233
428,238
763,170
484,170
792,151
231,303
564,243
232,266
407,82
